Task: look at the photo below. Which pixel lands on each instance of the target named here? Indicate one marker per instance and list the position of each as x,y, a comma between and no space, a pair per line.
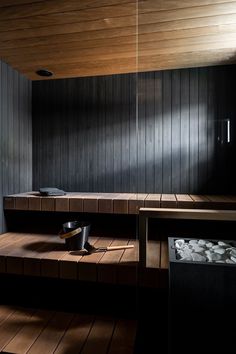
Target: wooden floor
47,256
41,331
115,203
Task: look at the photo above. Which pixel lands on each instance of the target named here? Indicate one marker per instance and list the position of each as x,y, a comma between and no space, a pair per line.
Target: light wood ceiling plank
215,57
187,60
50,47
186,33
159,39
94,68
166,39
145,25
149,52
106,17
188,13
65,37
70,21
6,3
71,56
160,5
147,49
150,41
85,7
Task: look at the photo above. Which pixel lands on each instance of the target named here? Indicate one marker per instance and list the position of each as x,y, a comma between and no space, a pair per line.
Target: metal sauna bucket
77,241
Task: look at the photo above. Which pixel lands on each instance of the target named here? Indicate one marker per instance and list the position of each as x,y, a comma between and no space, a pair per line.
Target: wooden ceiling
76,38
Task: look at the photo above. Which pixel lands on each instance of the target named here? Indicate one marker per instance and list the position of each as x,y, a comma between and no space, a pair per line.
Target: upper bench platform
115,203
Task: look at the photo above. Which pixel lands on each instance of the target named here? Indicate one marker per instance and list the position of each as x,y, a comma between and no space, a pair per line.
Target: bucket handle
70,234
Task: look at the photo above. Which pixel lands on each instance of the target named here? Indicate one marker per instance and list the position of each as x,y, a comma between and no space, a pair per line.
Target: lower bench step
46,256
37,331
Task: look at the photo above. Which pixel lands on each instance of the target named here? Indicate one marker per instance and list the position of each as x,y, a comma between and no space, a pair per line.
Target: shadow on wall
88,139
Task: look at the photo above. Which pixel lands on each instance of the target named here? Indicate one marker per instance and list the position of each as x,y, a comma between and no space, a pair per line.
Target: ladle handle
113,248
71,233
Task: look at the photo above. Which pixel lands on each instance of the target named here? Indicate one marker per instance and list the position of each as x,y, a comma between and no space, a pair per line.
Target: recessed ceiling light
44,72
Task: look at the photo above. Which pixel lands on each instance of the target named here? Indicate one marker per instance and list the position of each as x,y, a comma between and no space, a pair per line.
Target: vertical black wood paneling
184,131
150,132
211,132
176,131
132,135
117,132
167,133
141,131
85,139
202,128
158,127
193,131
15,135
125,175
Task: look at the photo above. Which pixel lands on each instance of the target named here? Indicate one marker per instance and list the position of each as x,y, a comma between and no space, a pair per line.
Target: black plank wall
15,134
85,136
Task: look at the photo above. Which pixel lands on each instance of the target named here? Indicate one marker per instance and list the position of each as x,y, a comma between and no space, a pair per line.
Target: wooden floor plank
12,325
168,201
164,255
87,266
221,202
149,276
76,203
128,265
121,203
62,203
76,335
90,203
105,202
10,238
201,201
68,264
153,254
32,261
164,264
35,202
9,203
136,201
123,338
184,201
99,337
52,334
50,260
22,203
5,312
28,334
107,266
152,201
7,247
48,203
15,258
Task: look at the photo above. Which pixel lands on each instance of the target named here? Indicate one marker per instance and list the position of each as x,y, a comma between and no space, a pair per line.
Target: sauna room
117,176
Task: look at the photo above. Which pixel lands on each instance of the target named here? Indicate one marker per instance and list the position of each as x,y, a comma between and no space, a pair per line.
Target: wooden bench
115,203
39,331
46,256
